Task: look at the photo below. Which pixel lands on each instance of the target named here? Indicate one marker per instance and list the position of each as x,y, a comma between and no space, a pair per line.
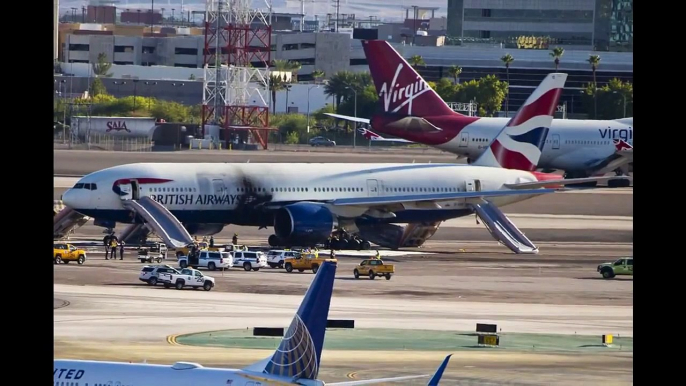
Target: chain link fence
96,141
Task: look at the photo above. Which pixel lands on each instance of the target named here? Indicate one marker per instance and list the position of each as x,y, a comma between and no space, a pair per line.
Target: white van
249,260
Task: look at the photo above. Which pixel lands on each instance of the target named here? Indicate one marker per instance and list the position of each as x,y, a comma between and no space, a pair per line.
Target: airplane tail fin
300,350
401,89
368,134
520,143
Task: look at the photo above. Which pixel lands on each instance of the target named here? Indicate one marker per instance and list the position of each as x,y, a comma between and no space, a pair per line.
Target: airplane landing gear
346,241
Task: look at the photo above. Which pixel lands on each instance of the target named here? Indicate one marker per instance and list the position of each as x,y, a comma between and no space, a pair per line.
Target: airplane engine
204,229
304,223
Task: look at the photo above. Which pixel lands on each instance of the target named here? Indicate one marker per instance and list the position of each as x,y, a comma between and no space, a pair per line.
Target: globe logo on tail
296,356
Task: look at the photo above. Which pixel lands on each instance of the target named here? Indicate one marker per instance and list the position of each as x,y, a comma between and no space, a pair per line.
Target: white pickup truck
211,260
186,278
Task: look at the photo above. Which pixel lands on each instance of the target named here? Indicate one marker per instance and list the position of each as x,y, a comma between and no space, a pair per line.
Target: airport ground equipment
249,260
186,278
66,220
64,253
150,273
276,258
621,267
305,261
211,260
373,268
487,335
154,252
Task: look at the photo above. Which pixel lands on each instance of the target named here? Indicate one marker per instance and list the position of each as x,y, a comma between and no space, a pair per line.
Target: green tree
102,66
170,111
97,88
322,120
416,60
367,99
507,59
557,53
317,75
594,61
338,83
455,72
276,84
612,99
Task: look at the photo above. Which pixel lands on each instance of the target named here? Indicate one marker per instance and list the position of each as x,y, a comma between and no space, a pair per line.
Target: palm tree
557,54
338,85
416,60
317,74
594,61
276,83
294,67
507,59
455,72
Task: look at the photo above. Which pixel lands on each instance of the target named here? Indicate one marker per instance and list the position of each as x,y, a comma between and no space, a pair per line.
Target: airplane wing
377,380
435,379
372,136
624,154
436,197
549,183
348,118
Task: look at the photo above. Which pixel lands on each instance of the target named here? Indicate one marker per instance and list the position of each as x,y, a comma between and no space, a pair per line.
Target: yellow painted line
171,339
352,375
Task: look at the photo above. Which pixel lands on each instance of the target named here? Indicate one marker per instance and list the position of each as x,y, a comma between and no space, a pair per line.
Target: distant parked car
321,141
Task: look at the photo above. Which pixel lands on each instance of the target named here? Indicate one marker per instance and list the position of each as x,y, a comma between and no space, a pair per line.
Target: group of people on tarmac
112,243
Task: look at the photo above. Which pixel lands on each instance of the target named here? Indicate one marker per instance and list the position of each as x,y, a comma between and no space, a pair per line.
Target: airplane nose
69,198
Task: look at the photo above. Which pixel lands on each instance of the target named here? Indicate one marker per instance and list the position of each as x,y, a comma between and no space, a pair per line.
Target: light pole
355,109
60,87
308,106
150,93
288,89
623,96
135,82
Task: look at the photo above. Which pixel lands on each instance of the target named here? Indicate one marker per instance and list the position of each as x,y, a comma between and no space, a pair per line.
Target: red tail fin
401,90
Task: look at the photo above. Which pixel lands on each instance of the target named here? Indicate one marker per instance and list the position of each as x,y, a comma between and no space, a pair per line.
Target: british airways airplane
295,362
411,110
307,203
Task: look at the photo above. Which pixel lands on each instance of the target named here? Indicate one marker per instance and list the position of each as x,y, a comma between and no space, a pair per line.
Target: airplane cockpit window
78,186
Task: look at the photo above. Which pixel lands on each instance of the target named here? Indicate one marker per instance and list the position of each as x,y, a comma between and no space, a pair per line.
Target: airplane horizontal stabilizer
348,118
569,181
377,380
373,201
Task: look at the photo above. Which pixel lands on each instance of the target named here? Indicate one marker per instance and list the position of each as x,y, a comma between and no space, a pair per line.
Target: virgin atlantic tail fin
520,143
401,89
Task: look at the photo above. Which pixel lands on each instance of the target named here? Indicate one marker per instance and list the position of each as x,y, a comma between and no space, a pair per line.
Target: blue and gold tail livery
300,350
520,143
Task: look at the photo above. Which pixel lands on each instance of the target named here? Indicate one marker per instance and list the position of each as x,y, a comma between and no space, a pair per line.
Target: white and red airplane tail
520,144
401,89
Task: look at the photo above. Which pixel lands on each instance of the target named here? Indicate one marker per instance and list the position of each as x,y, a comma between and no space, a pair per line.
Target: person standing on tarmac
378,255
113,248
121,251
211,241
234,240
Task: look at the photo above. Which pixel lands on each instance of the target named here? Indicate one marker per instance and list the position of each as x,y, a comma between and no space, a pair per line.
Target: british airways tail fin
300,350
401,89
520,143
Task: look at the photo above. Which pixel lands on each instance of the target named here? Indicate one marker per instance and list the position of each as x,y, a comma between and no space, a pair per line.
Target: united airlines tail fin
300,350
401,89
520,143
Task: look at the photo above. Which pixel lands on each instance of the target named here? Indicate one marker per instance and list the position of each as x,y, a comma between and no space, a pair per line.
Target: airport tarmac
461,277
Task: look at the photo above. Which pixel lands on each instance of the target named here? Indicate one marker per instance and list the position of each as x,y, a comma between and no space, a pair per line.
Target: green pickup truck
623,266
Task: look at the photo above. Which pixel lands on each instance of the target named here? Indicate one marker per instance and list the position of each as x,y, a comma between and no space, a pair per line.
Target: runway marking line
352,375
171,339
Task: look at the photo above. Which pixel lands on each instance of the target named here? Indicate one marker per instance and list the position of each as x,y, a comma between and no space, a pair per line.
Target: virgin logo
404,95
117,126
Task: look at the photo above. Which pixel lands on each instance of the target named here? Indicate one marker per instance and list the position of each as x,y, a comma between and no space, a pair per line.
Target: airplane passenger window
306,189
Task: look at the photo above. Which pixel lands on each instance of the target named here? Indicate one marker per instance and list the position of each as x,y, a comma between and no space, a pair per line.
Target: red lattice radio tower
237,55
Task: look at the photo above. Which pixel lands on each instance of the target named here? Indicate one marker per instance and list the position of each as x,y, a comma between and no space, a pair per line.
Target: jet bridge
66,220
503,230
161,220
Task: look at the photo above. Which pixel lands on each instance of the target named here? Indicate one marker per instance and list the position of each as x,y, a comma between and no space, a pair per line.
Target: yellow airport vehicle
65,253
305,261
374,268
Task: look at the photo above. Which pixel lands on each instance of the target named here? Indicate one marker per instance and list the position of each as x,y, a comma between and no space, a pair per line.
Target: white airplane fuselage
219,193
135,374
571,145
